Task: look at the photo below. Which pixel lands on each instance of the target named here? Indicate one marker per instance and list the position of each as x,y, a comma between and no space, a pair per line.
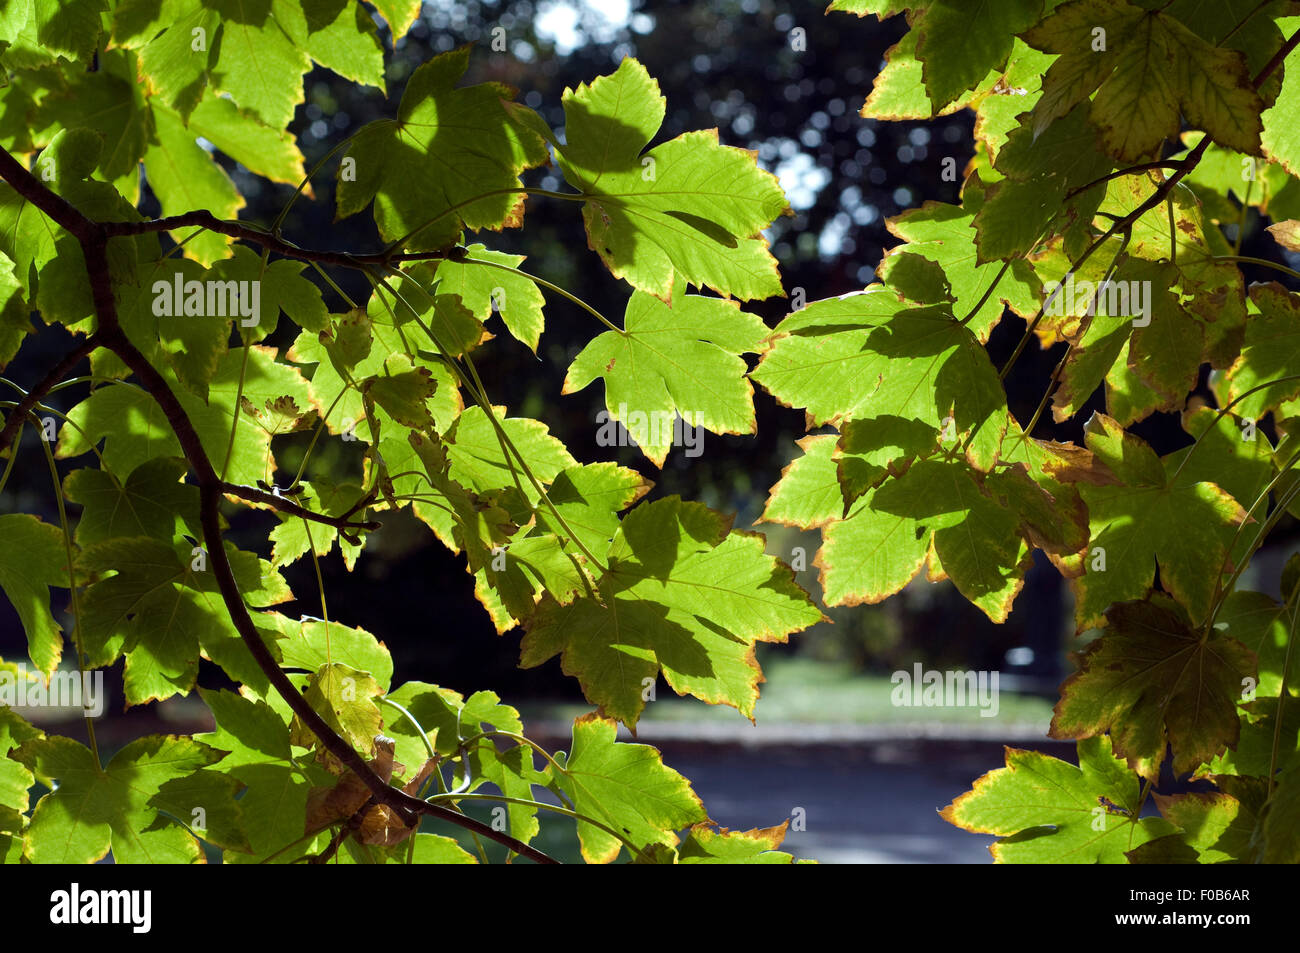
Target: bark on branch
94,237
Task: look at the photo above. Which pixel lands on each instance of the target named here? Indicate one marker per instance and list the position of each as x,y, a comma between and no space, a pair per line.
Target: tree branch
284,505
52,204
33,396
94,245
1129,170
205,219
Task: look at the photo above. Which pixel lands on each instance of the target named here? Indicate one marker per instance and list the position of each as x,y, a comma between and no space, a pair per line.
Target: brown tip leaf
1154,680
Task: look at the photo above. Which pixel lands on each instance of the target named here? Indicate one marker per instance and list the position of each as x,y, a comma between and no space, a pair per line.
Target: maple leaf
1147,68
1149,519
689,207
1216,828
401,163
870,354
936,512
1048,811
679,358
626,787
950,236
33,559
94,809
1271,354
1153,680
682,594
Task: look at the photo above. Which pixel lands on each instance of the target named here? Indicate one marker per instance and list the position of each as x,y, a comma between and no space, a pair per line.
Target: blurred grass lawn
810,692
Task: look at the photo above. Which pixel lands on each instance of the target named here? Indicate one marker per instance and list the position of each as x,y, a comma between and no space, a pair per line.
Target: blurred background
786,81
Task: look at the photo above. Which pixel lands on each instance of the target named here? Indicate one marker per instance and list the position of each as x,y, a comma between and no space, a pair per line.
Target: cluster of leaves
1121,150
1083,178
319,755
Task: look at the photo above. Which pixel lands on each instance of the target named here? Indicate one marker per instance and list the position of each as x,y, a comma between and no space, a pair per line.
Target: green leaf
108,102
249,731
508,586
1216,828
429,849
1211,290
184,177
514,774
400,164
436,710
999,107
1149,70
293,539
1271,352
15,323
268,150
176,63
899,93
1224,456
1262,625
147,504
478,461
205,801
936,511
1162,344
1280,138
257,61
274,807
135,430
71,155
1049,811
345,698
131,424
314,643
1041,171
683,595
948,235
400,14
681,358
265,382
485,291
92,811
15,779
32,559
55,28
704,845
881,8
332,393
589,498
868,355
808,495
959,43
1151,680
475,523
1147,521
1281,846
625,787
403,396
150,611
341,37
689,207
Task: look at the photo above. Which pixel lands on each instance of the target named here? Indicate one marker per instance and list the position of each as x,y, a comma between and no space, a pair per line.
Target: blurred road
872,803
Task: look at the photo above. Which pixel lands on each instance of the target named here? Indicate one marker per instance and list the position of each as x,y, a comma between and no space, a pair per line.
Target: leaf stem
552,287
405,239
75,599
